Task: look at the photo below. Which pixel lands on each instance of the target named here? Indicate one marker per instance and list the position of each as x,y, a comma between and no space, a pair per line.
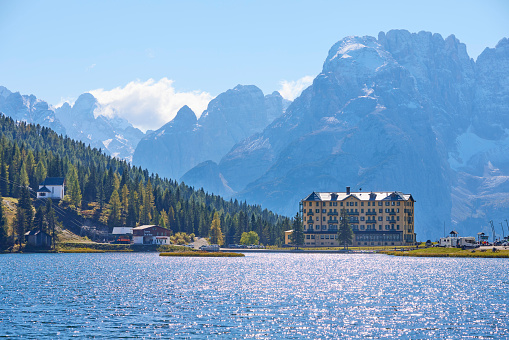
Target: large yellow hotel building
377,218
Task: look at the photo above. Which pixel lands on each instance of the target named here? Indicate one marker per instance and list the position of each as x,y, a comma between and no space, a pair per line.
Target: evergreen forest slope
103,191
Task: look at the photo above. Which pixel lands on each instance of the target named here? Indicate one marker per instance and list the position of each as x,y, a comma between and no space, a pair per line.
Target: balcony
332,221
371,213
310,212
332,213
353,213
392,213
310,220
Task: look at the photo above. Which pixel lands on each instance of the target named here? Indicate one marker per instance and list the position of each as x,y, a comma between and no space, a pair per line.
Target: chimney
348,190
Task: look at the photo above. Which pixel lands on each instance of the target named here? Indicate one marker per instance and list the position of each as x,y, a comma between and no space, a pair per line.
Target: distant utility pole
502,226
492,229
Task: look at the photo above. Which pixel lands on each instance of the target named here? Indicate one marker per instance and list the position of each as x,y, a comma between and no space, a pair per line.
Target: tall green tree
216,235
249,238
114,210
5,241
4,179
51,221
19,225
40,173
297,237
73,187
345,232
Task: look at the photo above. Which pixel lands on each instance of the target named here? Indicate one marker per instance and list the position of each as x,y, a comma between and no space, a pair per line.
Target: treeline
111,192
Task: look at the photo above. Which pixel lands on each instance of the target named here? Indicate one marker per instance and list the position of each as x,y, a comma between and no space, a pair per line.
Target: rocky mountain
404,111
187,141
28,109
115,135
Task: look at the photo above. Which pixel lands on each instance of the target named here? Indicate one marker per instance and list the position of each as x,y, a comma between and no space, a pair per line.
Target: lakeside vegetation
201,254
451,252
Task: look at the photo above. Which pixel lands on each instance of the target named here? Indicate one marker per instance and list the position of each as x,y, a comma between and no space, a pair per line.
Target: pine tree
50,220
216,235
40,173
73,187
297,236
345,233
19,225
4,179
5,241
125,204
114,213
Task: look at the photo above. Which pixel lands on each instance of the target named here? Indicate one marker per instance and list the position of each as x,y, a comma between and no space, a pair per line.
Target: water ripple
260,296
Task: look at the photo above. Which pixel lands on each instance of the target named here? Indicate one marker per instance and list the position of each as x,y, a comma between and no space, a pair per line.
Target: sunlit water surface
258,296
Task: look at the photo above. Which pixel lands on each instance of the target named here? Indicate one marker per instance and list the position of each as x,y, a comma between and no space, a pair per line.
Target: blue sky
57,50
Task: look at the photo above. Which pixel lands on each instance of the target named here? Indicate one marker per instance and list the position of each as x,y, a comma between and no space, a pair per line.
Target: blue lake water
262,296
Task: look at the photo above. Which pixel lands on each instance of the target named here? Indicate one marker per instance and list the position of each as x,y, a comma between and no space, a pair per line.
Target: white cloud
292,89
150,104
68,100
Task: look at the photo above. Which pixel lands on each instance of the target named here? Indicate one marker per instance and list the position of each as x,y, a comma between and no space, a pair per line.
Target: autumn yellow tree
216,235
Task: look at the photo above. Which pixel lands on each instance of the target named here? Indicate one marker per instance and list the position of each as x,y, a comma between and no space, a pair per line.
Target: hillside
103,192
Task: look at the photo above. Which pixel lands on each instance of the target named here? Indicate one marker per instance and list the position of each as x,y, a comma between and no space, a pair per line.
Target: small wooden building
38,238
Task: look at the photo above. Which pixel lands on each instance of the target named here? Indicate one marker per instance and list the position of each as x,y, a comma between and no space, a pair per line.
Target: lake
262,296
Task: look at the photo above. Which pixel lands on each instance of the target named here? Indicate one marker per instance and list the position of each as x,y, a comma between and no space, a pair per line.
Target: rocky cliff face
113,135
406,112
28,109
186,142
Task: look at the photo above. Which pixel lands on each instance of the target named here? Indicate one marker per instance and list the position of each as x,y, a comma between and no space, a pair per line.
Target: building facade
52,187
377,218
151,234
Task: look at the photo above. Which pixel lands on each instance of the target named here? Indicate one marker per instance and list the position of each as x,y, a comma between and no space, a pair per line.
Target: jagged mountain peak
185,116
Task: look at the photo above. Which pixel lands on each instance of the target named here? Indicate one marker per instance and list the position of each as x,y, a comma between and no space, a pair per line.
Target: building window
380,218
387,203
380,211
362,210
398,203
322,237
380,227
324,211
362,218
323,218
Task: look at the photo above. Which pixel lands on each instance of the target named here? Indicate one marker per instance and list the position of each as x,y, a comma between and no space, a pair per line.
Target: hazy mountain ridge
185,141
115,136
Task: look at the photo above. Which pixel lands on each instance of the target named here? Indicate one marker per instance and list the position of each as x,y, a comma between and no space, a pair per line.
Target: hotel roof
363,196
